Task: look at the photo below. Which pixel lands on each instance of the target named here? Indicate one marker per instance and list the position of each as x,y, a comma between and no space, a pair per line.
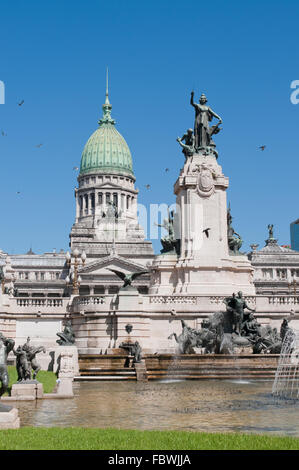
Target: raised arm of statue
192,99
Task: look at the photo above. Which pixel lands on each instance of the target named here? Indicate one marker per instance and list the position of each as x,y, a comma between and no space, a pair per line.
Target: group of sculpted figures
224,331
26,362
201,137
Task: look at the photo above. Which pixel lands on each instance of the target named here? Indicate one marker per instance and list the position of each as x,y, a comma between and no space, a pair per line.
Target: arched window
92,200
86,203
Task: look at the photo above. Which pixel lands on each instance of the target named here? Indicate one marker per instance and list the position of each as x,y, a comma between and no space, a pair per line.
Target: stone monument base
141,373
65,387
72,353
9,419
27,390
128,298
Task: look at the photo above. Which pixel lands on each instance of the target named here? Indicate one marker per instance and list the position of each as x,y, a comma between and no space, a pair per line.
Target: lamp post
74,260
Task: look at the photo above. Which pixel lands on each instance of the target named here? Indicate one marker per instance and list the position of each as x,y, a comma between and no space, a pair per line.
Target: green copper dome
106,151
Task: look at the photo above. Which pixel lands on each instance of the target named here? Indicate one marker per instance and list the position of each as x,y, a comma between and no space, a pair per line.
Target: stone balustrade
39,302
283,300
92,303
37,305
174,299
151,304
90,300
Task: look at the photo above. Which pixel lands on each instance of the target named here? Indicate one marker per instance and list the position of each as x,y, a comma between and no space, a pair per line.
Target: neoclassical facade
39,291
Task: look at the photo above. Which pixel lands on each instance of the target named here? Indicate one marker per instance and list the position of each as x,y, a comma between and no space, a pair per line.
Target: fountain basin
184,366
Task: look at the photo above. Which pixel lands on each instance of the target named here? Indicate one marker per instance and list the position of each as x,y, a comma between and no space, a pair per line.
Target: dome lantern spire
107,107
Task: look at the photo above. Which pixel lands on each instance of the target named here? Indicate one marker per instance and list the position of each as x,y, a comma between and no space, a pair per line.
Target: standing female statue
203,115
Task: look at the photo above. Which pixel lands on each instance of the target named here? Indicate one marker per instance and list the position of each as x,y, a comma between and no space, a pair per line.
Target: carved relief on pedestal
205,181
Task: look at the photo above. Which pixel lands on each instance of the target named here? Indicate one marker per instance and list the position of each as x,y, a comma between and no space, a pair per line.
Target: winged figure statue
127,278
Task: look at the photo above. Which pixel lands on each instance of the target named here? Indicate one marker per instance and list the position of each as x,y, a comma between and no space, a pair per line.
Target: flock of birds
147,186
4,134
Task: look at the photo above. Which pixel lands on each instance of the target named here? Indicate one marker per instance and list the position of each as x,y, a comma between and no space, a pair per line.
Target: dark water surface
206,405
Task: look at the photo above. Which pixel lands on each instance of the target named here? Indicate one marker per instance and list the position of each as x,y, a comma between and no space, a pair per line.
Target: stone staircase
105,367
169,366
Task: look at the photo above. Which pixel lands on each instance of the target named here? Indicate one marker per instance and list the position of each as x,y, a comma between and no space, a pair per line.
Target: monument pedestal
68,368
9,417
141,372
205,266
27,390
128,299
72,354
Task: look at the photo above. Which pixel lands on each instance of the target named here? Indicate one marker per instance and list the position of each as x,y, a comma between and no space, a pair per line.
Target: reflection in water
211,406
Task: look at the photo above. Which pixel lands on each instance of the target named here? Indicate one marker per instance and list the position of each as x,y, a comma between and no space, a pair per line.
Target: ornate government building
40,291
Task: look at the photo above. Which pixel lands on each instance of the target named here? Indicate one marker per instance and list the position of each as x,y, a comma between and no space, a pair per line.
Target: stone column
77,205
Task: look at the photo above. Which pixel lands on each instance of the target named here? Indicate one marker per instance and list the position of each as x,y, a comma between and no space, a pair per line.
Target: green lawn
117,439
48,379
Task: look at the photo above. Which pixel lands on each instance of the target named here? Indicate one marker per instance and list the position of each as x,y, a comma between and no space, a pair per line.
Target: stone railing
250,300
37,305
283,299
90,300
92,303
39,302
174,299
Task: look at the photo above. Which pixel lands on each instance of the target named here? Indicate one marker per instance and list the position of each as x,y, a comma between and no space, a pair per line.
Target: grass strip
47,378
75,438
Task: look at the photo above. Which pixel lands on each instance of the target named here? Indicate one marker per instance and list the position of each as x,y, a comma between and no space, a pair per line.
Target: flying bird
166,170
21,102
39,145
75,168
18,192
127,278
262,147
147,186
206,231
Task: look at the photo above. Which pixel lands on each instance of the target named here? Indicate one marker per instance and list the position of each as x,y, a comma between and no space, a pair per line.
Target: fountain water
286,383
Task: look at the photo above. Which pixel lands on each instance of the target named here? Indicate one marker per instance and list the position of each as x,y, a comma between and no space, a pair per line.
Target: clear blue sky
242,55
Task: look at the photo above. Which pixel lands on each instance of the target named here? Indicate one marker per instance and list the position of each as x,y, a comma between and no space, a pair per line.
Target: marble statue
169,242
270,228
233,238
127,278
67,337
22,364
26,361
134,349
203,115
223,331
6,345
31,352
189,145
284,328
236,305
